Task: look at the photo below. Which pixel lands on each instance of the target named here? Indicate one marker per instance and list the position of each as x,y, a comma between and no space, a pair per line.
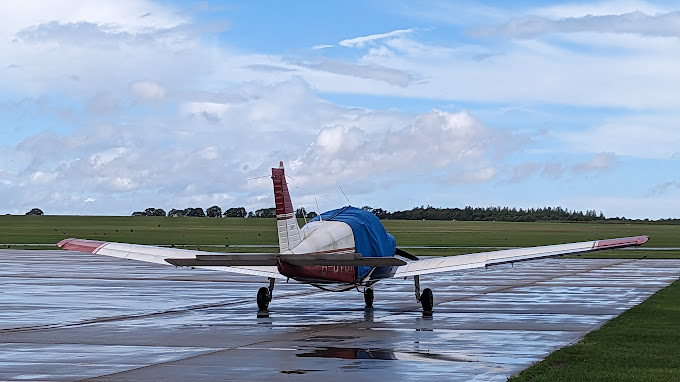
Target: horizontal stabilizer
272,259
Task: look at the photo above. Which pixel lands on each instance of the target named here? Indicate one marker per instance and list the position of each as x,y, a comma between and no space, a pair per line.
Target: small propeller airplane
339,250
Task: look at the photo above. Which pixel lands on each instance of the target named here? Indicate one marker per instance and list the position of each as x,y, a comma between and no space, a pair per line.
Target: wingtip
81,245
62,243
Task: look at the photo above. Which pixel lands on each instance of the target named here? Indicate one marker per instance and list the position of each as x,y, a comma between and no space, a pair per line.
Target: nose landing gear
368,297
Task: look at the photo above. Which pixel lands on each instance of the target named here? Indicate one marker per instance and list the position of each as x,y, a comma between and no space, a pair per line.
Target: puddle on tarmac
384,354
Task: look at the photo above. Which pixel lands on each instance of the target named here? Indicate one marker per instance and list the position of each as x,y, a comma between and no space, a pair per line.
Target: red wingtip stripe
622,242
81,245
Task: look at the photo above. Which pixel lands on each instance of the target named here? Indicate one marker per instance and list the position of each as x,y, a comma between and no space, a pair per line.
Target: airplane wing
261,264
159,255
486,259
264,264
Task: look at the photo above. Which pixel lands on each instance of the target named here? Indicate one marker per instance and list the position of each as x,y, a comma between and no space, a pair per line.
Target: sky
113,106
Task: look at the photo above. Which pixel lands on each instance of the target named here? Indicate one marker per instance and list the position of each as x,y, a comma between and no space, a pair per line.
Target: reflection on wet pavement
70,316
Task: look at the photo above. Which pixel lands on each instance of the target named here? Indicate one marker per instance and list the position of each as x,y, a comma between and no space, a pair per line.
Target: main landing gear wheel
427,300
368,297
263,298
264,295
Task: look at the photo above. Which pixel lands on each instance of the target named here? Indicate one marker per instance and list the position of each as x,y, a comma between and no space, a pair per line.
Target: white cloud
457,144
663,188
597,8
600,162
148,90
362,41
665,24
43,177
523,171
122,184
104,157
553,170
337,139
124,14
90,200
373,72
639,136
210,153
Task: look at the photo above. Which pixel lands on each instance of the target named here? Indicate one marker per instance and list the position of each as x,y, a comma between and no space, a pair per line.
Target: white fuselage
325,236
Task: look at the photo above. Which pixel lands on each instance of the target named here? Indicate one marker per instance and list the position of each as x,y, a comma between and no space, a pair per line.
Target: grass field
220,234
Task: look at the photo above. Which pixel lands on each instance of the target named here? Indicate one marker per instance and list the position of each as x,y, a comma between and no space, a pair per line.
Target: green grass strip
642,344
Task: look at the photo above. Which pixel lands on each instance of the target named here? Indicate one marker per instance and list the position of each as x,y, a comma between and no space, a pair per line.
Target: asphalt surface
67,316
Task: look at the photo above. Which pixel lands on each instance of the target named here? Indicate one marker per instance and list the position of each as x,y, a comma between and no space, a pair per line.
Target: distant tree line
211,212
506,214
216,212
488,214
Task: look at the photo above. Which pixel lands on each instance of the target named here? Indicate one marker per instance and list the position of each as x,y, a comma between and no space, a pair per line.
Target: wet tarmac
69,316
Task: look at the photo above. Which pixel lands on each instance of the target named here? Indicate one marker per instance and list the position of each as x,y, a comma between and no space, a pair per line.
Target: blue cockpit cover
370,237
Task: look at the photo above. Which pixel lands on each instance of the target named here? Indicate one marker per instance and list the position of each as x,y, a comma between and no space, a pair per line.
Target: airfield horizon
431,237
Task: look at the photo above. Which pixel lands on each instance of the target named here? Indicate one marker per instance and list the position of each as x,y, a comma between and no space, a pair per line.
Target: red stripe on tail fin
284,205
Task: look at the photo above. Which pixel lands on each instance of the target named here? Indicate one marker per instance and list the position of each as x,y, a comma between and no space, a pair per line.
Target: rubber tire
427,300
368,297
263,298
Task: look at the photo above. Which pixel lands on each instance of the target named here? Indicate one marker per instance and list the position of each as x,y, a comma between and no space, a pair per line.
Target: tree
154,212
175,213
214,212
311,215
195,212
380,213
300,212
138,213
34,211
266,213
236,212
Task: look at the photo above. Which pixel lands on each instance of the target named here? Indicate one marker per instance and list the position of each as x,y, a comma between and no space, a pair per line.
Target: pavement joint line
98,320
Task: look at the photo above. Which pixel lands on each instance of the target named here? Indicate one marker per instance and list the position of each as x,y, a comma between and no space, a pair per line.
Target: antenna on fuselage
318,210
343,192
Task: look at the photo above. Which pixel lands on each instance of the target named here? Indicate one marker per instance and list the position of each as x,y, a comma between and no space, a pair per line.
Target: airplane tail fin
289,231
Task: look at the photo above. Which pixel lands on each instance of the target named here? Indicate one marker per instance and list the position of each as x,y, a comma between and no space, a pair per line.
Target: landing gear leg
368,297
416,281
264,295
425,299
